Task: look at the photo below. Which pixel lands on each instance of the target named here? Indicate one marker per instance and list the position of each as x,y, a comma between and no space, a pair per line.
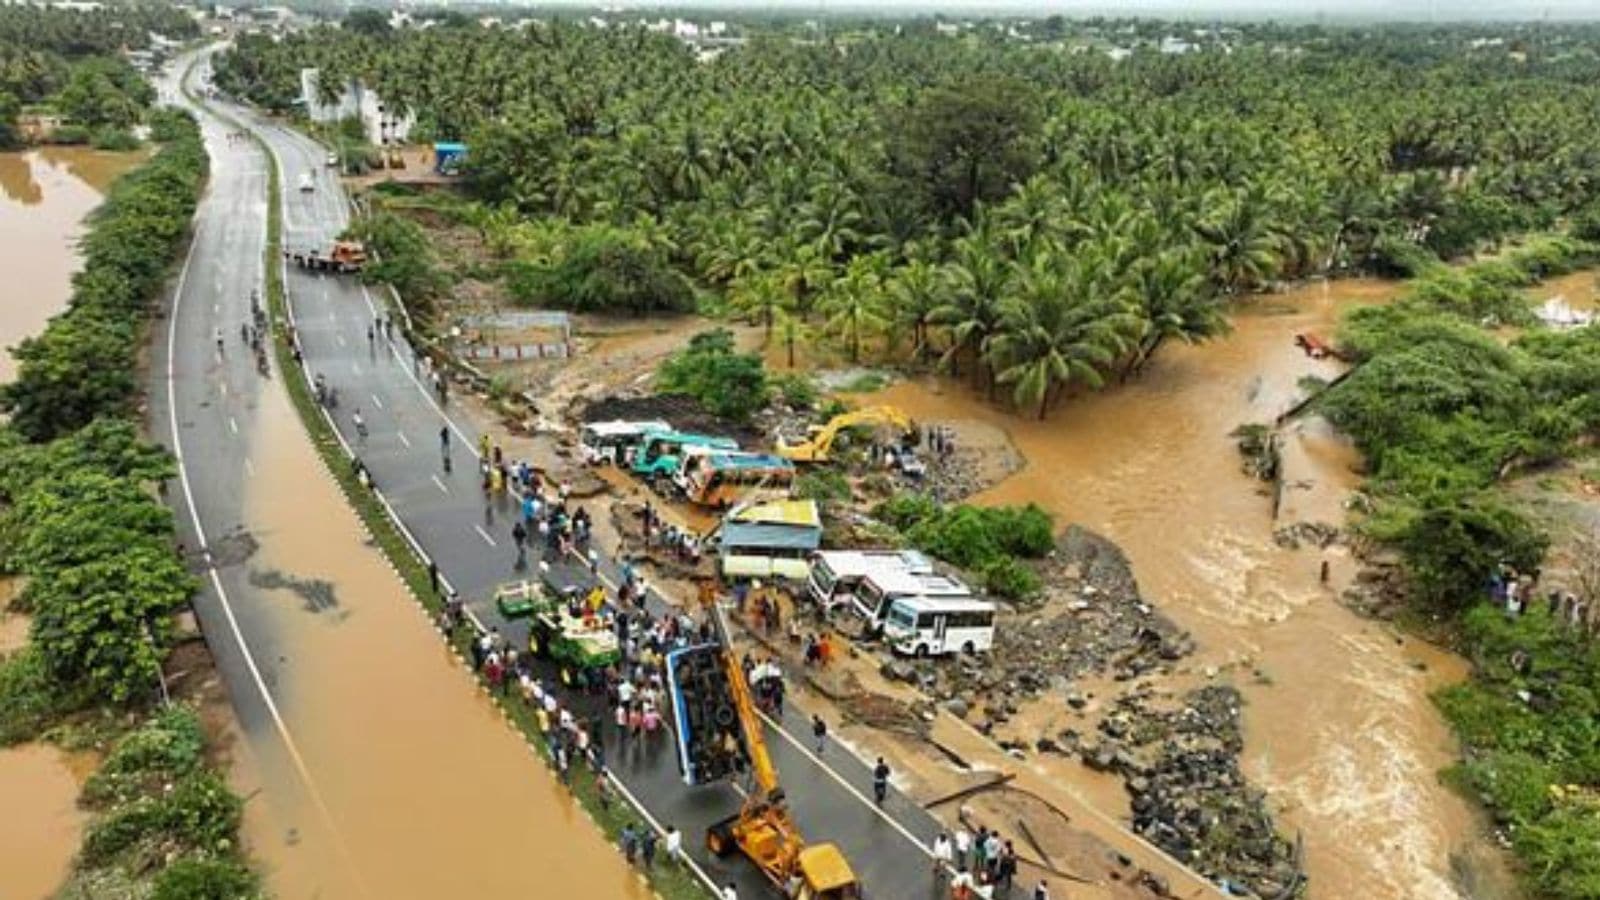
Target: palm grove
1038,219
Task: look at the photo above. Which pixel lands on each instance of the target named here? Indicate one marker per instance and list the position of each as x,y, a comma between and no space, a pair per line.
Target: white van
878,591
307,184
835,574
609,442
928,626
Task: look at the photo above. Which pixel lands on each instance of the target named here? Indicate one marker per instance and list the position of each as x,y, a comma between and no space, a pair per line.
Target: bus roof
935,604
915,584
691,439
861,562
619,428
749,461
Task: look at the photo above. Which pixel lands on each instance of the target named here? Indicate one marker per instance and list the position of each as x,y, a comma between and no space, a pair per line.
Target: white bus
835,574
929,626
609,442
879,590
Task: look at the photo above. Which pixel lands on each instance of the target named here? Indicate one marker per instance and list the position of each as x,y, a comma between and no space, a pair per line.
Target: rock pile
1092,622
1180,766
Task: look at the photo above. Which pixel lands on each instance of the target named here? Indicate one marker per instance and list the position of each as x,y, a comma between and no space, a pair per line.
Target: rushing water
428,792
44,196
1340,730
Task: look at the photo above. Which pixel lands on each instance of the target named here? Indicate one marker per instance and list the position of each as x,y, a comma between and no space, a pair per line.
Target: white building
381,125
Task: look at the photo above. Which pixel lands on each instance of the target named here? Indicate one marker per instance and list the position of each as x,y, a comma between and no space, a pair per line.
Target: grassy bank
82,524
670,881
1447,407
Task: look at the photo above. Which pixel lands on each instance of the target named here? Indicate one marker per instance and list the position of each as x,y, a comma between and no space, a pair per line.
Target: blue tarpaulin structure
447,157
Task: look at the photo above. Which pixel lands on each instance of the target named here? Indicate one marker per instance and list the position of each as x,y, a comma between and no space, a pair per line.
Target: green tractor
554,633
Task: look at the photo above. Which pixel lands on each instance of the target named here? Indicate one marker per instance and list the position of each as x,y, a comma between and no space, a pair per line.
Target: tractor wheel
719,838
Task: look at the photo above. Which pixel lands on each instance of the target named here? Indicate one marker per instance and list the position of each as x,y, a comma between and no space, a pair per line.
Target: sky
1331,10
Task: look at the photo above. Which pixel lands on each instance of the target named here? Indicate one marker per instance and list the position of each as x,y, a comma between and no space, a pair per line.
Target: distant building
380,124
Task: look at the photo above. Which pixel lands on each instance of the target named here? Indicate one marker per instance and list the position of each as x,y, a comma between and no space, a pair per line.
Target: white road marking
484,534
249,466
339,338
376,402
355,367
233,426
440,484
223,387
402,436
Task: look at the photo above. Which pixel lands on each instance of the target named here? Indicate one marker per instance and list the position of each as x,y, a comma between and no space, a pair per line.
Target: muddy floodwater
41,824
44,195
424,790
1340,730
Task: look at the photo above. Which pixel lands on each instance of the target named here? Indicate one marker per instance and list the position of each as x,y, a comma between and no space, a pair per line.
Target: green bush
603,269
822,486
729,384
1008,578
205,879
199,813
113,139
28,700
798,391
164,749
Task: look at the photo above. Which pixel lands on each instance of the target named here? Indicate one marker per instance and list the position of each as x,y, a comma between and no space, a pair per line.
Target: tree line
70,62
1039,218
83,528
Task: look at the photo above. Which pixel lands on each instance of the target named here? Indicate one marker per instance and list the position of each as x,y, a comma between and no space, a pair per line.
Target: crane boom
817,447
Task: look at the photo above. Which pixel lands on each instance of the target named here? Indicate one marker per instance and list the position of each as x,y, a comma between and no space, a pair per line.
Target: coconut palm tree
979,278
853,305
1244,250
1067,323
915,291
1175,302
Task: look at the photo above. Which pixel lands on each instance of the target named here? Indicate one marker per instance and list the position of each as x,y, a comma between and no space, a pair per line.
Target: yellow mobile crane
820,438
762,829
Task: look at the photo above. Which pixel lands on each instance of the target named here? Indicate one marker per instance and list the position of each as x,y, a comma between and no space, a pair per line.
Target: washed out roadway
469,538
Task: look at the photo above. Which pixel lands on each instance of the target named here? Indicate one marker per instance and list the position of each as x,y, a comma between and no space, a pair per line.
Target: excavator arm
817,447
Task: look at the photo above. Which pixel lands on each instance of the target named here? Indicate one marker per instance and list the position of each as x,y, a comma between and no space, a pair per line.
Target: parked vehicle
835,574
769,540
307,183
878,590
720,479
660,454
614,442
347,257
936,626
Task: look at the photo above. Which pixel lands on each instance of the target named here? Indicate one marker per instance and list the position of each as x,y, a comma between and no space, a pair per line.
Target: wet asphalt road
445,512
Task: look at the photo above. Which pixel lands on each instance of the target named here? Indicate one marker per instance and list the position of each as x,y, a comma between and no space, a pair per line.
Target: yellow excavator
762,829
819,439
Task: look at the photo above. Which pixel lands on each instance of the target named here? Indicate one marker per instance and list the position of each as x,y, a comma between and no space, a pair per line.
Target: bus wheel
968,649
921,651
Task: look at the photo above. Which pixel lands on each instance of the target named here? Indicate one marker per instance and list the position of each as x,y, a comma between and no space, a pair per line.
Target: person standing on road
433,576
963,846
943,854
1042,890
729,892
218,332
647,848
519,536
360,423
880,781
819,730
674,843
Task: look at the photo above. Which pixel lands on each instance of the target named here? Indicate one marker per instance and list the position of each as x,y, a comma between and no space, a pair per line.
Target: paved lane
469,538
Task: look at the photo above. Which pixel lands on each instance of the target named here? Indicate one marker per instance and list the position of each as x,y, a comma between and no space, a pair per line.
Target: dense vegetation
1036,217
711,370
988,541
82,526
1446,412
69,61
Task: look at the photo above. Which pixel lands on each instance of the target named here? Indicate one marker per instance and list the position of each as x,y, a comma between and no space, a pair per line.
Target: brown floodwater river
428,792
1340,730
44,196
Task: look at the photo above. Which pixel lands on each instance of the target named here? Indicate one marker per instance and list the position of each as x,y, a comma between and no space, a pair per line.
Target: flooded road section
44,196
429,793
1340,728
41,825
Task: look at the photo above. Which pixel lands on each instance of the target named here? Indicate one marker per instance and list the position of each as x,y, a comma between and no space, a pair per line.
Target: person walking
630,843
819,730
1041,891
729,892
880,781
360,423
519,536
963,846
433,576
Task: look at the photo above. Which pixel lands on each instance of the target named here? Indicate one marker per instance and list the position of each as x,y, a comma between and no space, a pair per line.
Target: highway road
445,511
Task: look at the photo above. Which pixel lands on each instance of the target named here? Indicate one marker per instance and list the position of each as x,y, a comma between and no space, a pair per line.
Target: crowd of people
1518,592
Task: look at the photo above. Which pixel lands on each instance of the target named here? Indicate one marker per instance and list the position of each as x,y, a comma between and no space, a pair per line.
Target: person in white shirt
963,843
674,842
943,853
729,892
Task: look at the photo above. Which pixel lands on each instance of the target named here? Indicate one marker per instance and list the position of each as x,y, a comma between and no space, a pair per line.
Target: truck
557,627
345,257
718,738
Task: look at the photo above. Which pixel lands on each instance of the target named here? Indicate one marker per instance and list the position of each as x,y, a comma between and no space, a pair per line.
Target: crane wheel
719,838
